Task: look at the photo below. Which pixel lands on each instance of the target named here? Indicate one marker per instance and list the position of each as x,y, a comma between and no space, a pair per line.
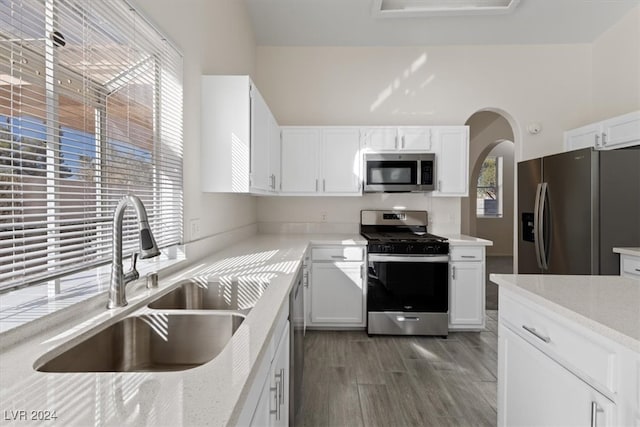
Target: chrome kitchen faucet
148,249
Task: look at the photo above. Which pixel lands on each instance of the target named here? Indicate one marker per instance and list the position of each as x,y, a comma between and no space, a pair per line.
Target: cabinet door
337,293
262,416
466,294
621,131
300,160
274,154
341,160
535,390
260,135
380,138
451,145
280,382
582,137
415,138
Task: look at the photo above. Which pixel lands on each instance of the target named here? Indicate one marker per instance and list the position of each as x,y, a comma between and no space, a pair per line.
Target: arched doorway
488,211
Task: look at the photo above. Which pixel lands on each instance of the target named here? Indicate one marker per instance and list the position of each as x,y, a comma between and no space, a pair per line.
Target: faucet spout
148,249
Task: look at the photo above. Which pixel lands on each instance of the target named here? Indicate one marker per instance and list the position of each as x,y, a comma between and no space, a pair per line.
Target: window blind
90,110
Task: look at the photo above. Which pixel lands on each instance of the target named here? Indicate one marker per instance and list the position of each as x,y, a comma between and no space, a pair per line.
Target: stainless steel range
407,283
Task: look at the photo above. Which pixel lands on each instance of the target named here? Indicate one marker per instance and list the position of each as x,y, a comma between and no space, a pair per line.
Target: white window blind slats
90,110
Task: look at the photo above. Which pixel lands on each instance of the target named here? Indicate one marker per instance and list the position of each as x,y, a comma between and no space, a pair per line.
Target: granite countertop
464,240
211,394
627,251
608,305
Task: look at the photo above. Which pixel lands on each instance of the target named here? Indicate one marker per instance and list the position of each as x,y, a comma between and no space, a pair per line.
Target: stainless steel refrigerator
574,208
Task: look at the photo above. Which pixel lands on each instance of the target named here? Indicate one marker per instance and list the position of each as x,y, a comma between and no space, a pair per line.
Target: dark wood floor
352,380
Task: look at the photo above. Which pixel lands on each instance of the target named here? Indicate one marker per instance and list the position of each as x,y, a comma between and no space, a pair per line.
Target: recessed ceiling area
354,23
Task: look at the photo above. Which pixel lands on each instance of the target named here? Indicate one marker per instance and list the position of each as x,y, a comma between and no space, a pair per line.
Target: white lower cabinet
267,401
273,403
538,391
466,287
336,287
554,371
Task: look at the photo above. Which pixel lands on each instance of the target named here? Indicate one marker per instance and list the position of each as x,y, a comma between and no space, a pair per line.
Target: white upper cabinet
236,137
451,145
415,138
340,160
392,138
300,160
320,160
616,132
380,138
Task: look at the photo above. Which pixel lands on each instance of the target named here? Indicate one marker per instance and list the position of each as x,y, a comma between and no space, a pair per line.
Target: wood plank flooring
354,380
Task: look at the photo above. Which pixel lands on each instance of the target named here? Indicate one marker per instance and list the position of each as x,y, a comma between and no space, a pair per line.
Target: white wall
215,38
443,85
616,68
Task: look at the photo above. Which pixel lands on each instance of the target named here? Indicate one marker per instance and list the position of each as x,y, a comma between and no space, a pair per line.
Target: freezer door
571,212
619,205
529,176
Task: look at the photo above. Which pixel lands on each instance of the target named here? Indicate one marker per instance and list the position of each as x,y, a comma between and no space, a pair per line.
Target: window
90,110
489,188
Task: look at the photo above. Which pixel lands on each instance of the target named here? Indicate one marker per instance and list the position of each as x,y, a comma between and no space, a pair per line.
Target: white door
380,138
466,304
260,126
280,382
274,153
621,131
534,390
300,155
583,137
451,145
341,160
337,293
415,138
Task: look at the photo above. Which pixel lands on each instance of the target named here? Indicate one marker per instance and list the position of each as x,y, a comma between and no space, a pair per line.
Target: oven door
408,283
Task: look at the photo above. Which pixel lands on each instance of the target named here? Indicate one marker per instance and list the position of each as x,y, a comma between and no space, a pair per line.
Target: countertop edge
606,331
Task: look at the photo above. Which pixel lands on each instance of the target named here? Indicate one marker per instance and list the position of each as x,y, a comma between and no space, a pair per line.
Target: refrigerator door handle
544,244
536,226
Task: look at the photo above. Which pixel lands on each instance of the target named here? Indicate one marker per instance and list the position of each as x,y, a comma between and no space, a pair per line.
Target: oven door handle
407,258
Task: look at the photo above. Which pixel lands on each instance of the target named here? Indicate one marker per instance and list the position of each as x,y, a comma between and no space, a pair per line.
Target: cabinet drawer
339,253
630,265
466,253
594,361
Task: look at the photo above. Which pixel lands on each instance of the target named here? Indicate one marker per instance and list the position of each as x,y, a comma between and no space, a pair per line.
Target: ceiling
351,23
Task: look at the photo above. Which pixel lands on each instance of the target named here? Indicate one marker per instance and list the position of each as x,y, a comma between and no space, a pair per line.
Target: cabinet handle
439,185
282,388
594,413
316,184
638,270
468,256
396,141
402,143
324,185
275,389
597,140
338,257
604,139
536,334
453,272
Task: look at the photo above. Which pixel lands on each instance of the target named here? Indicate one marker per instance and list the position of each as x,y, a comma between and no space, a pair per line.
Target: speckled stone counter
627,251
608,305
211,394
464,240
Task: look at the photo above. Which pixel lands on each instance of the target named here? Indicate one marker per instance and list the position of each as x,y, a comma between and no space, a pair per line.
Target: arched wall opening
492,135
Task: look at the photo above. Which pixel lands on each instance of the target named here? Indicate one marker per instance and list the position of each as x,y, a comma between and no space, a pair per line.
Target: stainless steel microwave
399,172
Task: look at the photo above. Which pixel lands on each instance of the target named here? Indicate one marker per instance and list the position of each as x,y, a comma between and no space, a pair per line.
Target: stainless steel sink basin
150,342
212,295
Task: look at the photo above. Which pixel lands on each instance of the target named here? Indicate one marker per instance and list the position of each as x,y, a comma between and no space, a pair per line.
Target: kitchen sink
149,343
212,295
